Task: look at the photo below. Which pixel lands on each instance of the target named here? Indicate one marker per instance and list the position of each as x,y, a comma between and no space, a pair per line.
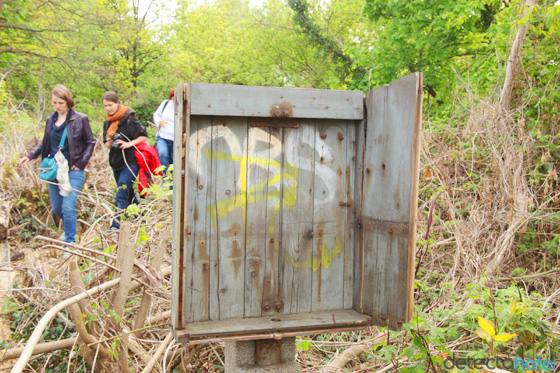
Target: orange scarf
114,120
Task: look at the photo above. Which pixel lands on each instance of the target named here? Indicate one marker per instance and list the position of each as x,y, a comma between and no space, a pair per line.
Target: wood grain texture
289,227
179,239
197,248
296,246
352,204
389,199
264,195
358,287
229,196
329,216
251,101
302,322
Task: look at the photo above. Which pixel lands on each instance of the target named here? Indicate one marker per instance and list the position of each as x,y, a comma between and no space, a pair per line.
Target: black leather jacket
131,128
80,140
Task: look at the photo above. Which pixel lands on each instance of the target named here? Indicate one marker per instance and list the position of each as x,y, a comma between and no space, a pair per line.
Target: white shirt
168,116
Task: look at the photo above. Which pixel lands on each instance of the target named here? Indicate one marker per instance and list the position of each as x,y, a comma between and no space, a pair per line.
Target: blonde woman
77,149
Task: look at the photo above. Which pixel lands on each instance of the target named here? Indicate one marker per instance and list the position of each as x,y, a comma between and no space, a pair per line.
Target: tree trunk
505,96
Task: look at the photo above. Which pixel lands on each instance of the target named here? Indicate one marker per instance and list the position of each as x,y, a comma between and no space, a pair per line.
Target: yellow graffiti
219,210
324,257
310,259
222,208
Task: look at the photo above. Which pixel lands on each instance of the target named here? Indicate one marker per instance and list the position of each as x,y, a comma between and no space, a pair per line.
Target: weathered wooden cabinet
294,209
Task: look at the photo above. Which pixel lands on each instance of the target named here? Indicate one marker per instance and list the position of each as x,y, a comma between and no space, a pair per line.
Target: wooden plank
145,304
228,214
329,215
296,246
181,337
251,101
351,212
376,102
264,187
391,135
389,199
359,253
197,248
180,165
280,325
125,262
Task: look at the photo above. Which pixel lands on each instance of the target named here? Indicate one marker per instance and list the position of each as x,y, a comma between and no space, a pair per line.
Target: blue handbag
47,168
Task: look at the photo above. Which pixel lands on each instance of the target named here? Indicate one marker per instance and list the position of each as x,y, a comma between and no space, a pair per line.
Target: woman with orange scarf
122,131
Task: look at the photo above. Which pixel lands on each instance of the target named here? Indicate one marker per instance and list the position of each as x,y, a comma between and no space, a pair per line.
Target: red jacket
148,161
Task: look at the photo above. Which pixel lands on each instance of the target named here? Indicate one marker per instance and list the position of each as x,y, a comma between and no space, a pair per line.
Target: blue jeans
125,190
65,207
165,152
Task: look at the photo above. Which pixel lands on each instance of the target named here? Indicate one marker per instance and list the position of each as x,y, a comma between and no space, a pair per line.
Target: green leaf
304,345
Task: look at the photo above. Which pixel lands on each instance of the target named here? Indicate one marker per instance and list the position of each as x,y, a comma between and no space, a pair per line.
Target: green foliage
23,320
513,314
428,36
304,345
345,65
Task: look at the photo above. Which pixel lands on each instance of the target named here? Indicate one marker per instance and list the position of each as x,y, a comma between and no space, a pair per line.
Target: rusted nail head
266,306
278,305
200,187
272,240
286,113
323,135
253,274
277,113
340,136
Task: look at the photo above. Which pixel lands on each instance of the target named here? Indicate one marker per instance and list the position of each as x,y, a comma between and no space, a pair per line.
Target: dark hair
111,96
63,93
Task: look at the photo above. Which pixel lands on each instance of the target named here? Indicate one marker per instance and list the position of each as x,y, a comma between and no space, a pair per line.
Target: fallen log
43,348
354,351
158,353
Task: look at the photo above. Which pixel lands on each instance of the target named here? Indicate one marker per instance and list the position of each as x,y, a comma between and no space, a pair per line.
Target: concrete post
263,355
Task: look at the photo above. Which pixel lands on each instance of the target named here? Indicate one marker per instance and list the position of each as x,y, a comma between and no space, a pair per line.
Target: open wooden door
388,216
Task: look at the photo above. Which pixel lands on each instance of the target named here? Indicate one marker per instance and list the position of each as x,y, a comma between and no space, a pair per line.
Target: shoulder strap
166,102
63,138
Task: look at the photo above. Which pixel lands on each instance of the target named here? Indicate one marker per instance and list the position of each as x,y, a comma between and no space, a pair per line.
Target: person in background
122,131
164,118
77,149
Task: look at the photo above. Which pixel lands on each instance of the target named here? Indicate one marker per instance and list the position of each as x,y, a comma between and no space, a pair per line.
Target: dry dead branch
41,348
